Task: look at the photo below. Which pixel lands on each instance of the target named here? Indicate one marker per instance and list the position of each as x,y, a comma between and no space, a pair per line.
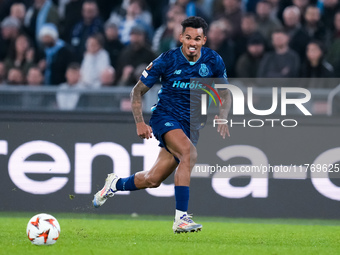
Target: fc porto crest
204,71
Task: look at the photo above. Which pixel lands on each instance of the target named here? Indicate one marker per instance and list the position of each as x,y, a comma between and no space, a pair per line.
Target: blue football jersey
183,83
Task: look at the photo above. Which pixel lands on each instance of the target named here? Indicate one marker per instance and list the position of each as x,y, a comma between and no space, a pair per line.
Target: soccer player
172,121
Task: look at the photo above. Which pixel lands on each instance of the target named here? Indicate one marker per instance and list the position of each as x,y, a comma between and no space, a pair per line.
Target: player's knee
190,154
193,156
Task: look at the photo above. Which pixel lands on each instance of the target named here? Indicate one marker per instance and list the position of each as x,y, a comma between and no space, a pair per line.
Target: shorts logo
204,71
178,72
169,124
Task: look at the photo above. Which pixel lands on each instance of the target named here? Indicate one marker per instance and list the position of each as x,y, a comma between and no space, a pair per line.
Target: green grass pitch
121,234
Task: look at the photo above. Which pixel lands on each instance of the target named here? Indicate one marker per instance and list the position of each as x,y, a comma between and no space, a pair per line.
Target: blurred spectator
192,9
330,8
34,77
233,13
9,31
282,5
18,10
170,38
333,54
218,39
312,29
108,77
315,65
118,14
40,13
20,55
5,6
112,43
57,55
274,9
2,73
68,97
135,14
82,19
138,70
249,29
207,6
248,64
72,15
250,7
266,23
136,53
282,62
91,24
95,61
291,20
301,4
15,77
61,7
164,34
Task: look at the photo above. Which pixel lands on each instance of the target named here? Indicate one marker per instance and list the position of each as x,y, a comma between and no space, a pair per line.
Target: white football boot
107,191
185,224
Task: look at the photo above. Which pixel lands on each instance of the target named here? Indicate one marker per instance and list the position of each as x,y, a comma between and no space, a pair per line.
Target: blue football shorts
162,122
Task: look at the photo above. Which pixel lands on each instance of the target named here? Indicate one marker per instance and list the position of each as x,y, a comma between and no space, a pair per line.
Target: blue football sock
182,198
126,183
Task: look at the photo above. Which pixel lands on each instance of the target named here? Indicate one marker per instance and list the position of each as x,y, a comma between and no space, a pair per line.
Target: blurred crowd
91,44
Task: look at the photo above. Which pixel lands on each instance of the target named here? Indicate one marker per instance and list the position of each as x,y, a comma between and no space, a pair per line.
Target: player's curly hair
195,22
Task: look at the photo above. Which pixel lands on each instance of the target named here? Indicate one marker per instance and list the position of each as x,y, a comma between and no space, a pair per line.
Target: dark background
285,198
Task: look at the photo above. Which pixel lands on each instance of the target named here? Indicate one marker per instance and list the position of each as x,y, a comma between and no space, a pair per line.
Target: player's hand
222,129
143,130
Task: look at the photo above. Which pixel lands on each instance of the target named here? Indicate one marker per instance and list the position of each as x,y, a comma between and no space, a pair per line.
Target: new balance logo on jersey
178,72
169,124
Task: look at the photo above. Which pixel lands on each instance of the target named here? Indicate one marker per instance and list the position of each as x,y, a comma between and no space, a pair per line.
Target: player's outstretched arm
224,111
143,130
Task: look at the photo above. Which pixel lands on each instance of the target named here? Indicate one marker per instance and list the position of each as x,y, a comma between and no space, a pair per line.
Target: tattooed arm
143,130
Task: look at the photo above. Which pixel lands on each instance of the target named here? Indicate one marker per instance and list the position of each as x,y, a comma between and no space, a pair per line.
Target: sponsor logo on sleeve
149,66
145,74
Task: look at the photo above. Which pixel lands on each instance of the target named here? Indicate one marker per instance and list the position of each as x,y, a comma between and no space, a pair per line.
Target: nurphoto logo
239,103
